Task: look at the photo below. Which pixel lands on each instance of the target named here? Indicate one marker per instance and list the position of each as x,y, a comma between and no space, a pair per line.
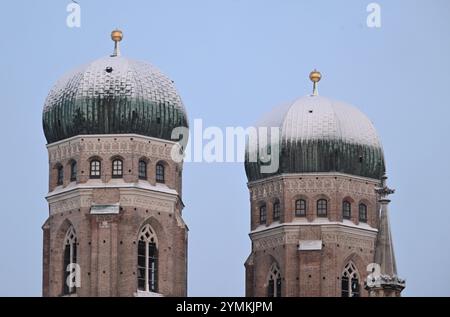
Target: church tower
115,225
320,219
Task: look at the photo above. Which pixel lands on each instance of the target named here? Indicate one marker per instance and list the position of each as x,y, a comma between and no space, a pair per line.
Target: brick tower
315,221
115,224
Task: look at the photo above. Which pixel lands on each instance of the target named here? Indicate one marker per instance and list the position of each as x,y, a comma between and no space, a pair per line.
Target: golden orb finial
315,76
116,36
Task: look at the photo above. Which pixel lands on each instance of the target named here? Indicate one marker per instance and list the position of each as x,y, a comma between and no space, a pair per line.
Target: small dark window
344,287
362,213
355,287
117,168
160,177
322,208
300,208
95,170
142,169
262,214
60,175
276,211
73,171
346,210
271,288
278,287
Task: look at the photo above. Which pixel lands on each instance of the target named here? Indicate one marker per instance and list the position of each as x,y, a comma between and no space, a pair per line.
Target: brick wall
107,244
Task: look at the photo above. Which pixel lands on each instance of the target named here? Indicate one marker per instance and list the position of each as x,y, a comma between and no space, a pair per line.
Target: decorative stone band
110,145
313,183
133,196
332,233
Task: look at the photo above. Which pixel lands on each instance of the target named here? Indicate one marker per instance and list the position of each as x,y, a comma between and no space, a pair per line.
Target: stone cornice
326,226
102,136
94,184
133,196
333,234
310,175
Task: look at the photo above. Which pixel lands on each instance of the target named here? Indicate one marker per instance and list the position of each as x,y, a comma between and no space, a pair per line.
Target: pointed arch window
274,282
60,175
147,260
300,208
70,257
142,169
95,169
350,281
160,171
346,209
362,213
276,210
262,214
322,208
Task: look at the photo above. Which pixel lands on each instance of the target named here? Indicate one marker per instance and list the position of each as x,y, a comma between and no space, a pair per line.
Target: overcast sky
231,62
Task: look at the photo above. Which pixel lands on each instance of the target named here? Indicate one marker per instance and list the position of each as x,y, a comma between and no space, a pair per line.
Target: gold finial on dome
116,36
315,77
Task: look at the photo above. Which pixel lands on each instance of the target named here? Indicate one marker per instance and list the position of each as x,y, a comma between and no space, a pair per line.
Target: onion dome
318,134
113,95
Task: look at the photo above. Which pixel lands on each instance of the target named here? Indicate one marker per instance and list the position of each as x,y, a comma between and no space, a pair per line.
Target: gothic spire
385,282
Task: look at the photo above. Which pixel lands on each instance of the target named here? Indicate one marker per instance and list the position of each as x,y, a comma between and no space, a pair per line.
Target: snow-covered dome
113,95
318,134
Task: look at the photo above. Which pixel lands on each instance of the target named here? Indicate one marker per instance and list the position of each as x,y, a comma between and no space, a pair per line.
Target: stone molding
154,149
335,234
129,197
313,184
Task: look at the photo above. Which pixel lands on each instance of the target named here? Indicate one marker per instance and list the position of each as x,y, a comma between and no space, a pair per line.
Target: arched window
346,210
362,213
95,169
60,175
142,169
262,214
147,260
160,177
73,171
117,168
274,282
350,281
276,210
300,208
70,257
322,208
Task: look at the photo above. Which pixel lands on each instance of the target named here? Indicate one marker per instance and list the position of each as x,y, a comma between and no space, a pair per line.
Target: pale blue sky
231,61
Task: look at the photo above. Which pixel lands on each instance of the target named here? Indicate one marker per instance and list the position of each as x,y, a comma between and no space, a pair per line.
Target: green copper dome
113,95
318,134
